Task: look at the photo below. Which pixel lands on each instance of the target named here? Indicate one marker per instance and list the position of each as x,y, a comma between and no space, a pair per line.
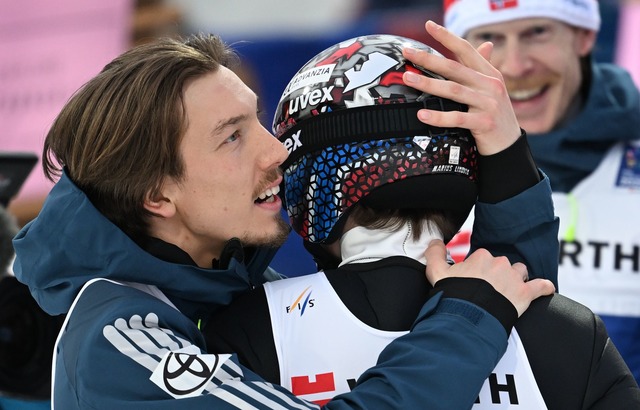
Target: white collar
360,245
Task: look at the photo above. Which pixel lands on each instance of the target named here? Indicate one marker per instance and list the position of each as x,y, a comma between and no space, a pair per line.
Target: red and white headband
460,16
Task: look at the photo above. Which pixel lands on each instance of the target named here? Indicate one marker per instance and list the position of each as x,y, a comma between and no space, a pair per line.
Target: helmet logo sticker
293,142
371,69
315,97
314,75
422,141
454,155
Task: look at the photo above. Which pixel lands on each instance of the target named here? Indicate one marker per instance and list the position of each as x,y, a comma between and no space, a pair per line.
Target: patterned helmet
350,125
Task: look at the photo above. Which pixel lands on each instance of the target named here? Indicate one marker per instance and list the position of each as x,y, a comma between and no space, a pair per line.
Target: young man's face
231,166
539,59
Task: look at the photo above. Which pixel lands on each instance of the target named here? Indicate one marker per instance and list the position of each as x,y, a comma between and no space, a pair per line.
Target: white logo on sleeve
185,374
178,367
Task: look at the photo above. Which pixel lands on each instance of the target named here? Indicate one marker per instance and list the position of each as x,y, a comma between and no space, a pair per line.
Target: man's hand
470,80
510,280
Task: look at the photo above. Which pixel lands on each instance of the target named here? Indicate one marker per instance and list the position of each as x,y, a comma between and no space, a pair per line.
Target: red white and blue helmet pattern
349,124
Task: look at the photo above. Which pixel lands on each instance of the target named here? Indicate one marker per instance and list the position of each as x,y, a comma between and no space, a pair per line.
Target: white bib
323,348
599,234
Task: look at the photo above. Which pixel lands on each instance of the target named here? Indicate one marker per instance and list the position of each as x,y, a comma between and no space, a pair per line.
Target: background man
583,122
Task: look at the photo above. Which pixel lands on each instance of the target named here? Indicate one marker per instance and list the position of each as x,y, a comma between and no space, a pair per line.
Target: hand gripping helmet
350,125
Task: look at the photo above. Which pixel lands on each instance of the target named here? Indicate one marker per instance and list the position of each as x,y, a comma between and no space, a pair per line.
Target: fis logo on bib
302,302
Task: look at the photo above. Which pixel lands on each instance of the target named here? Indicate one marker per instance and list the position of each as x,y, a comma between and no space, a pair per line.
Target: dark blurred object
27,337
8,229
407,19
27,333
405,4
15,167
155,18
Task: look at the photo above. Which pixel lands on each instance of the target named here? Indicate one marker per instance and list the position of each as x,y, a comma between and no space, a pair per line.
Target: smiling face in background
230,185
539,59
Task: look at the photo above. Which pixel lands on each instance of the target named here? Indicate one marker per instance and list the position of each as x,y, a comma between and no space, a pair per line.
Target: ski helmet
350,125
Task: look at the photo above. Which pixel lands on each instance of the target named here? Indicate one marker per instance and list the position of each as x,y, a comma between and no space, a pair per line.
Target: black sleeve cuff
482,294
507,173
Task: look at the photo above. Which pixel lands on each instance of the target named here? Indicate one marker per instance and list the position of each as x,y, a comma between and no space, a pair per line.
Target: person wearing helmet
165,210
368,187
583,122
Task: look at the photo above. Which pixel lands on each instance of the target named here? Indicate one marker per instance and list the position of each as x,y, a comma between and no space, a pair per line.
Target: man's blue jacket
131,338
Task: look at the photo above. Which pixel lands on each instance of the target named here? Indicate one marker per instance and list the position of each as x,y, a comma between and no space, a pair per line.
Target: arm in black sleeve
611,383
244,327
480,293
507,173
575,364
